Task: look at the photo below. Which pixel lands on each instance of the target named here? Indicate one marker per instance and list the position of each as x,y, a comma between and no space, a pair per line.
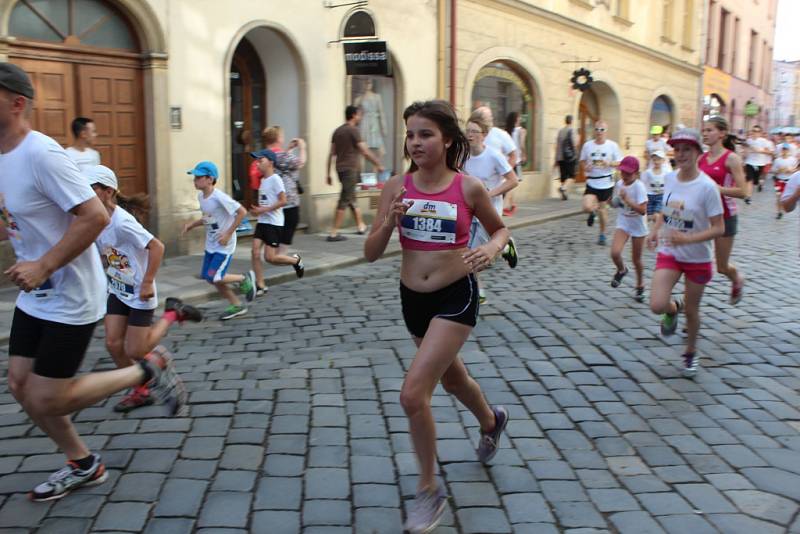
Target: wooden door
54,104
112,97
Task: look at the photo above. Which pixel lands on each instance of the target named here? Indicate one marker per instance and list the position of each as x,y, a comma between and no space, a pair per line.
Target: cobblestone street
295,423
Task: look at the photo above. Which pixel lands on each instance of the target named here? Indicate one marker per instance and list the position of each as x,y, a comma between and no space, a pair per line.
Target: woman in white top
690,220
519,135
131,257
493,169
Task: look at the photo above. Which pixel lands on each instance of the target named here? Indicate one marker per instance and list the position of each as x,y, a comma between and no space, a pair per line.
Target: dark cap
15,80
265,153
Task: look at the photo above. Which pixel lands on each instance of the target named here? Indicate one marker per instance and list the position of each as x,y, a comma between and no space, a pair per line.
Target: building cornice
605,37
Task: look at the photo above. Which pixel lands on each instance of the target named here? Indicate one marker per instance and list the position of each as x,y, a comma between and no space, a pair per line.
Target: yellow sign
717,82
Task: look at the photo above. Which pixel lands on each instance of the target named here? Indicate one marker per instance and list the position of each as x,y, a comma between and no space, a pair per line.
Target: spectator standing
81,151
566,155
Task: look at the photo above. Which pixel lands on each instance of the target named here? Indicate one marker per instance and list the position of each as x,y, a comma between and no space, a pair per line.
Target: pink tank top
438,221
718,172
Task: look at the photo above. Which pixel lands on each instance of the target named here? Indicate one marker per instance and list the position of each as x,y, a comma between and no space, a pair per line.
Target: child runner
131,257
432,207
691,218
724,166
493,170
630,195
791,193
221,216
653,180
269,230
783,167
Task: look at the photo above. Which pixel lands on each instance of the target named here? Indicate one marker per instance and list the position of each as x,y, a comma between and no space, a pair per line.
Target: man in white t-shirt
758,156
657,142
599,158
501,141
81,151
271,199
51,216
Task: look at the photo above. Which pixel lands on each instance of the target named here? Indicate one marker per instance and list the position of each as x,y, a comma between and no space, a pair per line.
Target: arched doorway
505,87
84,59
661,113
265,90
599,102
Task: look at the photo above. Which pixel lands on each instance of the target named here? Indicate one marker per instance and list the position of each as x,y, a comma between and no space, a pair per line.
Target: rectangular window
667,19
710,34
751,65
688,24
722,52
735,47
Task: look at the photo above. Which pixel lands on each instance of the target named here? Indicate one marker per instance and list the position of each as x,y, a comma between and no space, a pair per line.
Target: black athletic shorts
566,170
57,348
291,216
457,302
753,173
136,317
603,195
731,226
269,234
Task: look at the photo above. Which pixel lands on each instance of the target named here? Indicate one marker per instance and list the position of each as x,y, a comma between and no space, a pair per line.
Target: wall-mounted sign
367,57
751,109
175,118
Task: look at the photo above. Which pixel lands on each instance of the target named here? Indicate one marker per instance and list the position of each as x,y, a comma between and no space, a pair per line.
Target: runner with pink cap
631,196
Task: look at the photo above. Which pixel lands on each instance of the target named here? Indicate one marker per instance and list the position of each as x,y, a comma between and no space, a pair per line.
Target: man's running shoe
69,478
136,398
759,188
510,253
563,191
261,291
490,441
639,294
166,385
232,311
590,219
737,289
426,511
779,216
748,200
669,321
689,365
601,240
186,312
299,268
618,276
248,286
481,296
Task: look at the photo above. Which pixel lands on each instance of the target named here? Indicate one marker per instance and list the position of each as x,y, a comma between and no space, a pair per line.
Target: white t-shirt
599,159
659,144
783,168
629,221
499,140
515,137
219,213
123,245
654,183
756,159
39,184
688,206
791,186
84,159
489,166
268,193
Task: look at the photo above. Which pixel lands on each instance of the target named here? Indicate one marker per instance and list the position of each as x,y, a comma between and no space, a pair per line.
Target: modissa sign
370,57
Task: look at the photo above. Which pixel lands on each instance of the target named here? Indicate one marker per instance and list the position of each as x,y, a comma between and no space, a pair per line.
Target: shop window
712,105
661,113
376,95
505,89
359,25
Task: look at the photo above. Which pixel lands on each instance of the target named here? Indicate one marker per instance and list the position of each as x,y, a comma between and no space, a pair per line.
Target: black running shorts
270,234
136,317
603,195
457,302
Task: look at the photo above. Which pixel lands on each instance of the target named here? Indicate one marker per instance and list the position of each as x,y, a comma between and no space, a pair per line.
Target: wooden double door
109,95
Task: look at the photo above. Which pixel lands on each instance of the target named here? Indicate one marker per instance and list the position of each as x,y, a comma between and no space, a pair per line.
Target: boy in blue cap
221,216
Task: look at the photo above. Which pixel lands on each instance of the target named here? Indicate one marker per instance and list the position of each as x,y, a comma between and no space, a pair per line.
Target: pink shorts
699,273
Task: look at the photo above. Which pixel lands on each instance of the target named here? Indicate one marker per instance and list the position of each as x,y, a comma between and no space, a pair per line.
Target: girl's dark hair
721,124
511,122
443,114
137,205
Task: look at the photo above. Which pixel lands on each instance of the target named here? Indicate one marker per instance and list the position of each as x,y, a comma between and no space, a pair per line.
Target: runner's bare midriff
426,271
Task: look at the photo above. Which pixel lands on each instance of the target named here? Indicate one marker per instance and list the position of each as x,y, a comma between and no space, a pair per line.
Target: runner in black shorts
599,159
566,155
62,290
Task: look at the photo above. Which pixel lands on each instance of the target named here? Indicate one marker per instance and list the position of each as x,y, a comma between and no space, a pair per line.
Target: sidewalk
179,276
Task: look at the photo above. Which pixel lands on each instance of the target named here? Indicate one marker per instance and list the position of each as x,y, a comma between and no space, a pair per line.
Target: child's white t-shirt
629,221
489,167
271,187
123,243
783,168
654,183
219,213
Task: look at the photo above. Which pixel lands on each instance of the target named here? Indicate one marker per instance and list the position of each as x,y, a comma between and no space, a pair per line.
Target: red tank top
436,221
718,172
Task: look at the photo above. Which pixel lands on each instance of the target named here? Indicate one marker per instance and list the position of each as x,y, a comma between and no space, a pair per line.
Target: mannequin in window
373,122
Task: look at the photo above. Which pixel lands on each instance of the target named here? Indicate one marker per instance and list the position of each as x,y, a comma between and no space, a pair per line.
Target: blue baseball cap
205,168
265,153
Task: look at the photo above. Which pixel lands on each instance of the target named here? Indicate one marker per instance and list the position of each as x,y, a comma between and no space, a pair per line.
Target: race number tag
212,228
120,283
430,221
44,291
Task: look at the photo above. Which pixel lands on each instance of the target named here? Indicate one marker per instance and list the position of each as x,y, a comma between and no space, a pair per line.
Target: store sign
368,57
751,109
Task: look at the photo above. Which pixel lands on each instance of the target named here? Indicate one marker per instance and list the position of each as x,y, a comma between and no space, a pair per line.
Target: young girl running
724,166
653,180
691,218
432,207
782,168
630,195
131,257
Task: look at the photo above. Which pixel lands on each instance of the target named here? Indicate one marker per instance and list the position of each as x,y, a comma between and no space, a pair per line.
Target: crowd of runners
83,254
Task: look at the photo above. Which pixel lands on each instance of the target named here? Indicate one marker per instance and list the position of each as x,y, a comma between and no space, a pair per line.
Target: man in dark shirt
347,147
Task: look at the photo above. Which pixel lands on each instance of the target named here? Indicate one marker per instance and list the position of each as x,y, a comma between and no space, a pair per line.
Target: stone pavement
179,276
295,423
